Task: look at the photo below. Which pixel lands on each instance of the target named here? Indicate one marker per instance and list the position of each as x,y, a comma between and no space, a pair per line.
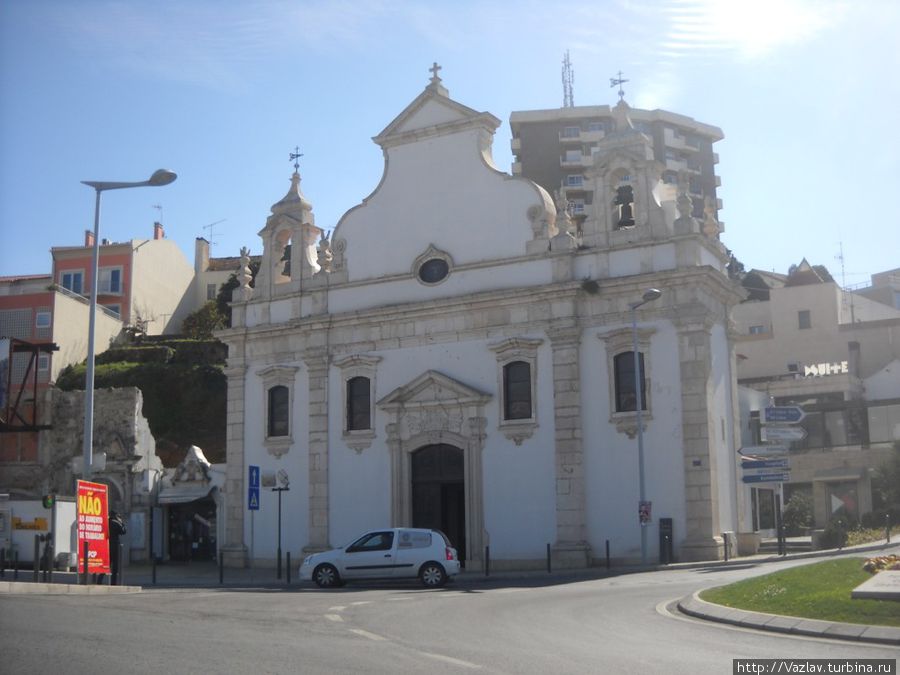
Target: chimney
201,255
158,231
88,238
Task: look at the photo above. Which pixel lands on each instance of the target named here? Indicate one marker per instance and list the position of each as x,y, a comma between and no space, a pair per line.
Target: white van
394,553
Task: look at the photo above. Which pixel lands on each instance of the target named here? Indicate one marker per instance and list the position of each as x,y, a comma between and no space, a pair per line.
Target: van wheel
326,576
432,575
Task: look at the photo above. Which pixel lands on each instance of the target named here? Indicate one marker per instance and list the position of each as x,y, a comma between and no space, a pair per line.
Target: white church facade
459,355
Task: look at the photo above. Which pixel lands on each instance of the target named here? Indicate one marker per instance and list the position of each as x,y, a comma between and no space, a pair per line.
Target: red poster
93,526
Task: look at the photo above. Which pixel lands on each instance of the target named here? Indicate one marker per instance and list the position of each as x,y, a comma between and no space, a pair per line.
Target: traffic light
48,501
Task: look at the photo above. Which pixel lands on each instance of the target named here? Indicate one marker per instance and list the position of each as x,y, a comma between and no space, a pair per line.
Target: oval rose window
434,270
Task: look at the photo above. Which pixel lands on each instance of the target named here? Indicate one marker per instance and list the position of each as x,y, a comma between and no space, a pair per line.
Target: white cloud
748,29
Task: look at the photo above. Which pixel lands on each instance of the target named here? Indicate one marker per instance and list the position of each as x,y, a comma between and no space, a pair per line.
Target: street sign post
253,489
784,433
767,464
764,450
790,414
768,478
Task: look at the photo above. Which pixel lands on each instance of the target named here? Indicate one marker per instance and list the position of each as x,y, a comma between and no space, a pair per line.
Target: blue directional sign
253,488
784,413
765,464
768,478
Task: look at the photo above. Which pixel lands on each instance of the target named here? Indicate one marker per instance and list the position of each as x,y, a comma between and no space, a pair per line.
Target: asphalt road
615,625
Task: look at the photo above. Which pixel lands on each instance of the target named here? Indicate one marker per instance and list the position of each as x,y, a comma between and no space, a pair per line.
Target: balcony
517,168
515,144
570,135
572,162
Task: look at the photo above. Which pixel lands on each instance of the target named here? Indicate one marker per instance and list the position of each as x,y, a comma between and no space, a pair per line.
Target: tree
223,298
200,324
886,482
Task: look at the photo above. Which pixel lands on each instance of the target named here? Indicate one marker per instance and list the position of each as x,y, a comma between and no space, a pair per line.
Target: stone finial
711,227
324,254
685,223
244,292
563,217
684,204
245,275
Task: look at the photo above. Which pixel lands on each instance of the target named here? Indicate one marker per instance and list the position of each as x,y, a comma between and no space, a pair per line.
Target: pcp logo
92,554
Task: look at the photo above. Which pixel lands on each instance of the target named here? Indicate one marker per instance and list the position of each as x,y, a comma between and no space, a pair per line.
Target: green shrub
136,355
835,534
798,514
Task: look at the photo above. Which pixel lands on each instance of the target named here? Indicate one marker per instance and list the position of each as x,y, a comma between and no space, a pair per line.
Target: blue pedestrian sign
253,488
790,414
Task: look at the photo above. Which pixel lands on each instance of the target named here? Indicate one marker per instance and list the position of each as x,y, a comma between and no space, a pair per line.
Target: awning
840,473
184,492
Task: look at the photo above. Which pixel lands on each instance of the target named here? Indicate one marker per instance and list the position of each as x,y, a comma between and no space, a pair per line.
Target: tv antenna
840,257
210,228
618,81
568,78
159,208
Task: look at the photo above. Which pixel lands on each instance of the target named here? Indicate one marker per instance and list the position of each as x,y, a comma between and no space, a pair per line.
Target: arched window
279,411
626,398
517,391
358,404
624,202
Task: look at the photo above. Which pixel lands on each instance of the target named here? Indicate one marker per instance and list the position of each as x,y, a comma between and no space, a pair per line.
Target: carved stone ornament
422,421
359,440
278,446
518,432
626,423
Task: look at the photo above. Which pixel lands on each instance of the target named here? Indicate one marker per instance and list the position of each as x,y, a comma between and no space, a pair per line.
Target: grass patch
819,591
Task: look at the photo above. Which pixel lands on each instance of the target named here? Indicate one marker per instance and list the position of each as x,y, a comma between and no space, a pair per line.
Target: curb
792,625
31,588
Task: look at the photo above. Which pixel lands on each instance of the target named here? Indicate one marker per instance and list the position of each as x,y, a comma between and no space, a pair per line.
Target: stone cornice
357,360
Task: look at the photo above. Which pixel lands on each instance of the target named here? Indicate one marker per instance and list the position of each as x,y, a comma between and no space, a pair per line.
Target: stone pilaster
317,370
571,548
702,540
235,549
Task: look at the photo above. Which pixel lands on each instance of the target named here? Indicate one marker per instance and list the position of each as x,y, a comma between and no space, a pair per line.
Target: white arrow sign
784,433
836,503
763,450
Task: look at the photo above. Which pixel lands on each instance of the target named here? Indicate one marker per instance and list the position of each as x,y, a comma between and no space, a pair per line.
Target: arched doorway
439,492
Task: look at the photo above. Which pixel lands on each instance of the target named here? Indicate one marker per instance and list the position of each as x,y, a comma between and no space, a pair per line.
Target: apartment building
558,147
805,341
143,281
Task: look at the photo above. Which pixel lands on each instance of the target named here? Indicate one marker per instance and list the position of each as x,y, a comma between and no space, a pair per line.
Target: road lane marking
334,617
367,634
337,608
450,659
361,602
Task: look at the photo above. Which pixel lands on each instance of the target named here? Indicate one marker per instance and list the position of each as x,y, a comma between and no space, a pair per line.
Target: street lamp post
160,177
649,295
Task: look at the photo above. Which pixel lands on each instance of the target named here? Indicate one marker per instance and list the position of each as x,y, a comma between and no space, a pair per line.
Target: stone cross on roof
434,73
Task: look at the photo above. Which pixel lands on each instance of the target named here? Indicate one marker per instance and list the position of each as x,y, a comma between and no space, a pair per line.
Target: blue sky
807,94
